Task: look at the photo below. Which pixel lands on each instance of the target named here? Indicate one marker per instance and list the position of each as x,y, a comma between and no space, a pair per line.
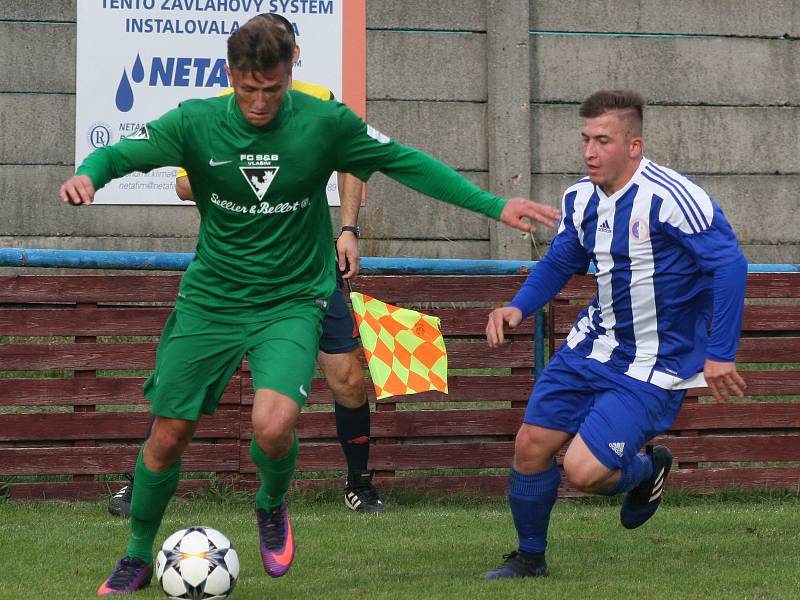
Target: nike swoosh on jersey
218,163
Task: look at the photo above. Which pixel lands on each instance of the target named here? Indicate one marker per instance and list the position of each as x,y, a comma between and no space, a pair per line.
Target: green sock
151,493
276,475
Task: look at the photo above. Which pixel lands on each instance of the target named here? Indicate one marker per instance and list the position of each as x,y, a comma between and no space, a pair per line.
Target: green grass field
726,546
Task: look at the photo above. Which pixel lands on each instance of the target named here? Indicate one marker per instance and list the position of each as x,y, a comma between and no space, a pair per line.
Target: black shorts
339,333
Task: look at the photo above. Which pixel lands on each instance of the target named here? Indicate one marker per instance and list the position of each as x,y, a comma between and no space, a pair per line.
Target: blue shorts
614,414
339,333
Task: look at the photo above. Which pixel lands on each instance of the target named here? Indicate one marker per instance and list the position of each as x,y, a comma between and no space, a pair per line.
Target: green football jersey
265,229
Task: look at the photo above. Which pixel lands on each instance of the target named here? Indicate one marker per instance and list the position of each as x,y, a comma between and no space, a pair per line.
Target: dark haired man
263,270
670,294
338,349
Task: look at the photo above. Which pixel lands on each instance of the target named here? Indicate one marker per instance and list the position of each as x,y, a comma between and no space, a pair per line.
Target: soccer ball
198,563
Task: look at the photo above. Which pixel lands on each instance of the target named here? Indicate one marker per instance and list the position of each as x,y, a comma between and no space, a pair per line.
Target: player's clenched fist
77,190
497,318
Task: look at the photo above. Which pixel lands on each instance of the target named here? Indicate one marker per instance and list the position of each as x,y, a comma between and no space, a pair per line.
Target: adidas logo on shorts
617,447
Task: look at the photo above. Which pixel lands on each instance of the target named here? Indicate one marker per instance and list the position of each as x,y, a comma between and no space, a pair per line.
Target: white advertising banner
137,59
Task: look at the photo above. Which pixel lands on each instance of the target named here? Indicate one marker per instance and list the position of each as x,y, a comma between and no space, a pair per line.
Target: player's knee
166,445
274,437
530,451
585,476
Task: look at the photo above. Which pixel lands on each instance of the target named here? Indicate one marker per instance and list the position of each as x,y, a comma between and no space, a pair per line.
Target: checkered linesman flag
404,348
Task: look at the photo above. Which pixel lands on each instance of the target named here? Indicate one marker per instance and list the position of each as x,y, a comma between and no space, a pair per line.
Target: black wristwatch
354,229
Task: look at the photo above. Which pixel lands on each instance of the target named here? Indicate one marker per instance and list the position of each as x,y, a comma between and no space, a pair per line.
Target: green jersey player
264,267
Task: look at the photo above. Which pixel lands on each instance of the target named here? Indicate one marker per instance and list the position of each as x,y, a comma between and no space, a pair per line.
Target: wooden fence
75,350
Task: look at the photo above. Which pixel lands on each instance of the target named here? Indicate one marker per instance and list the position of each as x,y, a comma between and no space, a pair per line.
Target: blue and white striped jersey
670,277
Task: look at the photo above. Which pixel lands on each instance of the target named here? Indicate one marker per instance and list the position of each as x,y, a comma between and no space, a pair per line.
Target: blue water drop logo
124,98
137,74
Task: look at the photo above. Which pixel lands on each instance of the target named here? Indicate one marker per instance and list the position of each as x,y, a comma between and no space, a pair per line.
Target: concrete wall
491,87
720,77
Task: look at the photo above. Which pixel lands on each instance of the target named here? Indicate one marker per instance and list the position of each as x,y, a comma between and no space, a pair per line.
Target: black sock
352,429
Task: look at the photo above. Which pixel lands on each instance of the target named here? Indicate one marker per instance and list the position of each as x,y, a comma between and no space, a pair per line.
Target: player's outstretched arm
517,208
497,319
723,380
77,190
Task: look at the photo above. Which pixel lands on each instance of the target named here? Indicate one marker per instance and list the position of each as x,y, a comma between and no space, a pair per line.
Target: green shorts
196,358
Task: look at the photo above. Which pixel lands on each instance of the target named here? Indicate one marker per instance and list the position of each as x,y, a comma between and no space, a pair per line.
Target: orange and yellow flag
404,348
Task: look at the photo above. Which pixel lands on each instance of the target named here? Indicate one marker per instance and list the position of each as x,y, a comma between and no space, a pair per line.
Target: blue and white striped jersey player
667,316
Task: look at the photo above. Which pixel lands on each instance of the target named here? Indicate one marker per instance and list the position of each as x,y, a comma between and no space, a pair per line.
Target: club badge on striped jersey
640,230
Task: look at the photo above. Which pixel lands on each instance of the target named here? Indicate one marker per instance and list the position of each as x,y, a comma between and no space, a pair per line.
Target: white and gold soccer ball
198,563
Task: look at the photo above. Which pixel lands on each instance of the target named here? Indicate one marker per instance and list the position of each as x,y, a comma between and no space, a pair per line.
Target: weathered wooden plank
764,383
505,421
472,322
91,356
439,288
773,285
580,287
406,424
57,391
757,317
163,288
69,289
733,448
769,350
702,481
86,490
517,353
756,415
119,321
759,285
462,388
752,350
473,455
63,460
101,426
706,481
712,448
771,318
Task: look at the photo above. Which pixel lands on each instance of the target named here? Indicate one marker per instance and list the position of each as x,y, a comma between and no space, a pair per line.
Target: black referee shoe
120,503
360,495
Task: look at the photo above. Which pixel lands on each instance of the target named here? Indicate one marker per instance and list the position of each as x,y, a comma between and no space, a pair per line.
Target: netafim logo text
170,71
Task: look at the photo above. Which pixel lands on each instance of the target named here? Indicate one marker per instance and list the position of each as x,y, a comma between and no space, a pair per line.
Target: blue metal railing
179,261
